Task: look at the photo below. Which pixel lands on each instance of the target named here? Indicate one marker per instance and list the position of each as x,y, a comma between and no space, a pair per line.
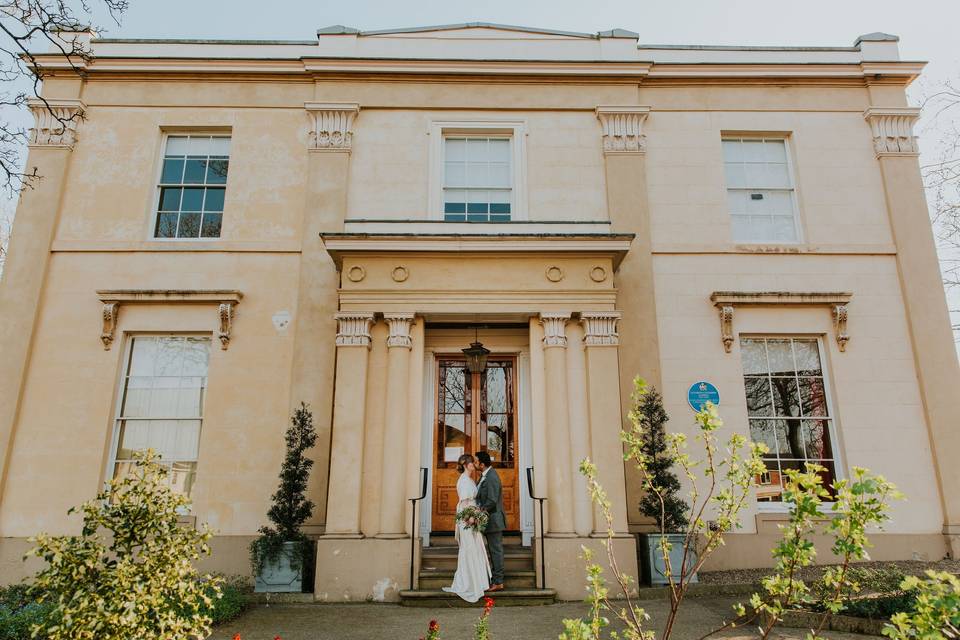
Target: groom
490,499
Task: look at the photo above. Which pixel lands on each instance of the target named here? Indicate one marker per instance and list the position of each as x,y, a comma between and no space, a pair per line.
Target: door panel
474,412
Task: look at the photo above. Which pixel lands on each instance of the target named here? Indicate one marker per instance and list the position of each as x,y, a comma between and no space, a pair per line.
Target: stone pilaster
603,391
557,416
331,125
938,372
52,139
394,470
578,408
349,408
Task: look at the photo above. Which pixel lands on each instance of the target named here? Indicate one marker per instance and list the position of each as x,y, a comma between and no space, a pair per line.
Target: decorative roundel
356,273
400,273
554,274
598,274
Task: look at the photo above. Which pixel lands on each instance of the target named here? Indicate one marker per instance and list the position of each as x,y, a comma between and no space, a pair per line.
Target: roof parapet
878,46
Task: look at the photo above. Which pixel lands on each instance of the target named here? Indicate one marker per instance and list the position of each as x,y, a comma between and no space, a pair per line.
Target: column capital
55,122
623,128
600,328
554,328
892,129
353,328
399,329
331,125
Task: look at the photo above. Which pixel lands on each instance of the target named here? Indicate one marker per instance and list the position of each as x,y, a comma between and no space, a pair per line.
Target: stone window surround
515,129
112,299
726,301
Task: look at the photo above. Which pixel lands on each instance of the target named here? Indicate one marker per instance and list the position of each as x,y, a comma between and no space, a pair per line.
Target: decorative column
935,359
349,408
327,161
624,147
393,487
51,140
560,497
577,404
601,342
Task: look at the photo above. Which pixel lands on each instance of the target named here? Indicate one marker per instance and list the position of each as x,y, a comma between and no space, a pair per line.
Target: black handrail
413,521
543,565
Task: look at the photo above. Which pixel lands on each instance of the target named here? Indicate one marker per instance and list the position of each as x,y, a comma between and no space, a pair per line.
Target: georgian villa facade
236,227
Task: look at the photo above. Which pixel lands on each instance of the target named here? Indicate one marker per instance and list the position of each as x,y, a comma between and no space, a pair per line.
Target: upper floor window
477,179
193,181
760,190
161,404
788,409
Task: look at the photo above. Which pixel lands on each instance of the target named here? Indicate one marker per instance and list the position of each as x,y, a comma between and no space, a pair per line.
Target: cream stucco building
236,227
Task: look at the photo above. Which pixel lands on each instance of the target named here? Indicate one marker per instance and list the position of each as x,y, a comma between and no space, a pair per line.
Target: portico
408,305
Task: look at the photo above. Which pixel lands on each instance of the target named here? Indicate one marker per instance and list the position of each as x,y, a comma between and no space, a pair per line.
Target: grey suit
490,499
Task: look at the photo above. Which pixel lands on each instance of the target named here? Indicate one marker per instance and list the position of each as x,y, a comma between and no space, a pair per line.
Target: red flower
236,636
277,638
434,625
487,604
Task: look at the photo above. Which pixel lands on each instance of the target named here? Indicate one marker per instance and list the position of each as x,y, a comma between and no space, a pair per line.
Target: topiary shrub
130,572
290,508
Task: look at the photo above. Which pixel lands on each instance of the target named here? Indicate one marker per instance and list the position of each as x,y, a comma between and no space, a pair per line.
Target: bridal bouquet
473,518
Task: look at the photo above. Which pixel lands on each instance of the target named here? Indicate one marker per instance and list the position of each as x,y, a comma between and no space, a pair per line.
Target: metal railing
543,564
413,522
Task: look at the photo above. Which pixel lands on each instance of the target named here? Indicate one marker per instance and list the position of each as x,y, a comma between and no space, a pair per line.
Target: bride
473,567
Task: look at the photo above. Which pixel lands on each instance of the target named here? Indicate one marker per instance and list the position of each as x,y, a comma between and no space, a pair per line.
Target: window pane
192,200
499,174
210,227
754,355
816,439
499,150
780,354
784,229
759,400
786,397
813,398
772,433
166,225
177,146
199,146
753,151
731,151
775,151
213,200
808,357
217,170
477,149
736,175
456,149
195,170
478,174
455,174
220,146
740,230
136,399
170,199
182,476
189,225
172,170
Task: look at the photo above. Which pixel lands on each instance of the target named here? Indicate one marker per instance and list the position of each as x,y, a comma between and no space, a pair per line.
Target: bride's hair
463,461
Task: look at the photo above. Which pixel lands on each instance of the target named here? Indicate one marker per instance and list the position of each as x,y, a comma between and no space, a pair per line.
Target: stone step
513,579
438,540
506,598
445,558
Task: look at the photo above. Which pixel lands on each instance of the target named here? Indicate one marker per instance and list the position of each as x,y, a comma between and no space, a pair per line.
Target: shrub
290,508
130,572
935,612
20,612
229,606
880,593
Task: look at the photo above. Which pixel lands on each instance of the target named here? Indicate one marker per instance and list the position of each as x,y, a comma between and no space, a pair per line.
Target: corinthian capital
600,328
399,329
353,328
892,130
623,129
331,125
554,329
55,122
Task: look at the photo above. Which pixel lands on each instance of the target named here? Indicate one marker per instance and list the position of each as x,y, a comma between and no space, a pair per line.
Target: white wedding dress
473,567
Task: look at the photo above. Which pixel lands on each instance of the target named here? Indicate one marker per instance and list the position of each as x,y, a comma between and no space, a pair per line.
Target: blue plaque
701,393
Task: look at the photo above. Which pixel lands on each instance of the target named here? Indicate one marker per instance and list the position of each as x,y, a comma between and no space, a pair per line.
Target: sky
927,28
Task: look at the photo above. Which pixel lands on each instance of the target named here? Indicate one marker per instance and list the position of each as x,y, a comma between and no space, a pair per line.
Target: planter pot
653,568
279,575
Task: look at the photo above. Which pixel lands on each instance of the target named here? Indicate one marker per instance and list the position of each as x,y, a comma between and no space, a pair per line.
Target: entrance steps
439,562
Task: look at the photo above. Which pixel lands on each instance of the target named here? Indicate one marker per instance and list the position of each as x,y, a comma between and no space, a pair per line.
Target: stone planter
652,567
279,575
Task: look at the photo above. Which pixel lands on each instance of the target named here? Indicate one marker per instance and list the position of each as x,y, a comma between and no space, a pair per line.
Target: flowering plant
473,518
480,630
433,631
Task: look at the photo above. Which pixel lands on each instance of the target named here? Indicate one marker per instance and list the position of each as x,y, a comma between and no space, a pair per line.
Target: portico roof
613,245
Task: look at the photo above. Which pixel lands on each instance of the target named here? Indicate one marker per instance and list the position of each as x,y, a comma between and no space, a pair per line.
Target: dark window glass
189,225
172,171
195,171
211,225
192,200
214,200
170,199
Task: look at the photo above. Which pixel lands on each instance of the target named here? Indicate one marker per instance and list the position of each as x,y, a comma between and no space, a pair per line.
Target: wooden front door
475,412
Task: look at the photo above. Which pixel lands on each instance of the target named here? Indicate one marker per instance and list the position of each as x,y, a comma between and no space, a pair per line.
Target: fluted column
349,409
560,497
392,498
51,142
935,359
601,342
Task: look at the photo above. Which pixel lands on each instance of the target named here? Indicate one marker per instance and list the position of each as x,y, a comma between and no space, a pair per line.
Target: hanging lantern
476,355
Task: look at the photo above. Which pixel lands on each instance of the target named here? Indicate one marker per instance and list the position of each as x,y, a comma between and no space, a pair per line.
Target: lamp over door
476,354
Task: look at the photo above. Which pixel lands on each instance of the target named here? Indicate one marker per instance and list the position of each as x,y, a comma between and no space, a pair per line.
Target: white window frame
794,200
154,203
839,471
516,130
120,388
